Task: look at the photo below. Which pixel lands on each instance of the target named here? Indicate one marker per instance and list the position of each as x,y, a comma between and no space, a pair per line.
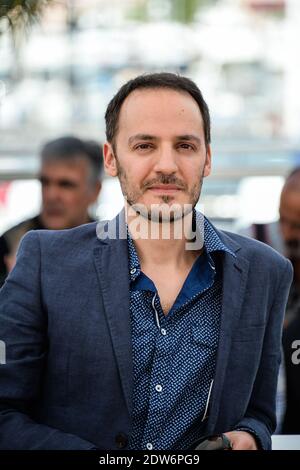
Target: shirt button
133,271
163,331
149,446
158,388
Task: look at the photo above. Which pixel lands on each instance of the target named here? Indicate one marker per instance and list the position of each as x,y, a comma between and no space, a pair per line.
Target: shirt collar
212,243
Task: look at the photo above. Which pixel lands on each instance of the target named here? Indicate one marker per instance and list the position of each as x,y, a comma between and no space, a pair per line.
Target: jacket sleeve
260,418
23,334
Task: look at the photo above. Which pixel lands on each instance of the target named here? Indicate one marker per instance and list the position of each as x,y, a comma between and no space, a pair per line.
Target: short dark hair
154,80
70,147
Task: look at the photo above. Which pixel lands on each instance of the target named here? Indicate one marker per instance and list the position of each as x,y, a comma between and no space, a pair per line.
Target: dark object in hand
217,442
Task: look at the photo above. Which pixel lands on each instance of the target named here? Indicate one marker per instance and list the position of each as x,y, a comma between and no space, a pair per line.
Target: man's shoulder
74,241
61,248
252,249
60,243
264,262
72,235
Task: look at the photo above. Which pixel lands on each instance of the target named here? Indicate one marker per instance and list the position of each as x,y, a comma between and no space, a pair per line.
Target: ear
207,166
110,164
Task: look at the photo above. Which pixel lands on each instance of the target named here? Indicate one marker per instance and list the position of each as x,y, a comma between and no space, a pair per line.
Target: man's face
160,153
289,211
66,193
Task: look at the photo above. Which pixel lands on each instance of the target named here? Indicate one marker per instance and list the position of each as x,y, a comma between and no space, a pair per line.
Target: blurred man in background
70,178
289,222
284,236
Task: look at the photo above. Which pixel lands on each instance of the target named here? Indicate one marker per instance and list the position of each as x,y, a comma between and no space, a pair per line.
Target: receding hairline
292,182
71,160
162,88
65,159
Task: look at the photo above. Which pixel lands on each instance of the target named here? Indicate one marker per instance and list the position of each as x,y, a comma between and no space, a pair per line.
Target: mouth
53,212
293,249
165,189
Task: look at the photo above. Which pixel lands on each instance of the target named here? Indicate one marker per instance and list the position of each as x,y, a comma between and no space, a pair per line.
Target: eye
143,146
67,184
186,146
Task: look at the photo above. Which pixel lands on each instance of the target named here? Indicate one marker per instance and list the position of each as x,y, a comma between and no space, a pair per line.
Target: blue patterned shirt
174,355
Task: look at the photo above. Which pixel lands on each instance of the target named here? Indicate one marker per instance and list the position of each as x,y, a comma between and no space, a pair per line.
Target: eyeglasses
217,442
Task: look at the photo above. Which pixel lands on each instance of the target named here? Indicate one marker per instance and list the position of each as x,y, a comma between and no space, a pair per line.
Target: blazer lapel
235,273
111,260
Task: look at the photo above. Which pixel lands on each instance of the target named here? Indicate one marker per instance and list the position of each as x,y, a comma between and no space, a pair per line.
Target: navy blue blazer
64,317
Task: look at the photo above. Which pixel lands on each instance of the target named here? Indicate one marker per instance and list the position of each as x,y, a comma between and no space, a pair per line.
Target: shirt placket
159,380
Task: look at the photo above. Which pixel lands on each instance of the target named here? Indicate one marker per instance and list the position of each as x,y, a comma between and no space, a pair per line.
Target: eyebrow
189,137
60,181
141,137
148,137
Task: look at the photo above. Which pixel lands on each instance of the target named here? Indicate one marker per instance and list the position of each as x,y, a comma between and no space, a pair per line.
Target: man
289,224
284,236
70,177
141,341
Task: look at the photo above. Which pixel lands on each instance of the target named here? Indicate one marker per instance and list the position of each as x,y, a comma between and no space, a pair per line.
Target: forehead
155,110
290,201
77,166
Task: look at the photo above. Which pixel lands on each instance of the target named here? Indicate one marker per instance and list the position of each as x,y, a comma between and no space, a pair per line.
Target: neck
163,244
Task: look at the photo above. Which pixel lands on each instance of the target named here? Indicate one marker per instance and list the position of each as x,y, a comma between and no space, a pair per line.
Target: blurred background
62,60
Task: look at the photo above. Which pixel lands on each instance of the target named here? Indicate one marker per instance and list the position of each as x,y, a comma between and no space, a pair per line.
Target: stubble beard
159,212
292,248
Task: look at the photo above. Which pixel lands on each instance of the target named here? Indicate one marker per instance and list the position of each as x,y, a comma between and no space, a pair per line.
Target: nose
166,160
289,230
50,193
